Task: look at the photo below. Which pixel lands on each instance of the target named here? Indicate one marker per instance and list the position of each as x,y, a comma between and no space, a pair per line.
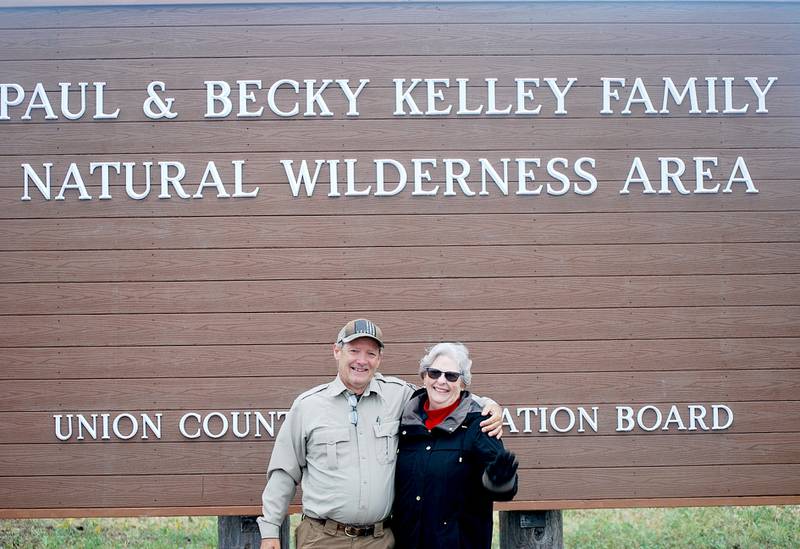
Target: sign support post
237,532
531,529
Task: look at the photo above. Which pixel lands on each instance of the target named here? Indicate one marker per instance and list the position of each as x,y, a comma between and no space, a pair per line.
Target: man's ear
336,351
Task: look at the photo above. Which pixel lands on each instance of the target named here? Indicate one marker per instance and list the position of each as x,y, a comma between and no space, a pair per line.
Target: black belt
349,530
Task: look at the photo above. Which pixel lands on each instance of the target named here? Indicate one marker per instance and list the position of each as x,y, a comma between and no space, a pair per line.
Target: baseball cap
360,327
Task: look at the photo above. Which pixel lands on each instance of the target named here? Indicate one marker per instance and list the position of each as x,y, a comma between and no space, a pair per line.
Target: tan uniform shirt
346,470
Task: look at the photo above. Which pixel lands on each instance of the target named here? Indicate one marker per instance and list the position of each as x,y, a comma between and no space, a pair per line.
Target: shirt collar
337,387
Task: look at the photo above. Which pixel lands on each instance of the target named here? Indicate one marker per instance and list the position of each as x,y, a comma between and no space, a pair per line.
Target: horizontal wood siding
752,417
535,485
589,67
227,307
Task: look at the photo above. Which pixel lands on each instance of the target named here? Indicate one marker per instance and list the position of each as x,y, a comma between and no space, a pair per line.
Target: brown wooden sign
601,200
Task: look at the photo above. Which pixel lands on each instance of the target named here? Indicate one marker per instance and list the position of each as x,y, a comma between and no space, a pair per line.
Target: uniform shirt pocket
386,440
326,441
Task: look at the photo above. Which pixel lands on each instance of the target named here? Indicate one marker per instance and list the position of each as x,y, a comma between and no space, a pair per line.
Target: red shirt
435,417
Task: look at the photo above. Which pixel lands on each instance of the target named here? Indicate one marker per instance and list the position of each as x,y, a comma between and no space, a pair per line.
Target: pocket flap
334,435
387,428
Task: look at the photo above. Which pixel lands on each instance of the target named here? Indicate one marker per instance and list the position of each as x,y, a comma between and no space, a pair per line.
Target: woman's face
442,393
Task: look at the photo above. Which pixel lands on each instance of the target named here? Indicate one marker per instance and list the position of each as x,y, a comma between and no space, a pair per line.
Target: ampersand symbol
163,106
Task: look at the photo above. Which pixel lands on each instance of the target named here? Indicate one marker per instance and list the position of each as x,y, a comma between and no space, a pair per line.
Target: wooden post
531,529
242,533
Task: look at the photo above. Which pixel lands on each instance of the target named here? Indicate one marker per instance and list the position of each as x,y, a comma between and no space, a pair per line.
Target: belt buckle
351,531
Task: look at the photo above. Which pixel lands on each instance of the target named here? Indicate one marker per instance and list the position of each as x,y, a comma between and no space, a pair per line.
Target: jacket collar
414,414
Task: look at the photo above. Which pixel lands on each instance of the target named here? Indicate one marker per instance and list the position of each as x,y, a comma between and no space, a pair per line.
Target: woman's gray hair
457,351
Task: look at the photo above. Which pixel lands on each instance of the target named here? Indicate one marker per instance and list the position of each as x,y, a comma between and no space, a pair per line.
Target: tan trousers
313,535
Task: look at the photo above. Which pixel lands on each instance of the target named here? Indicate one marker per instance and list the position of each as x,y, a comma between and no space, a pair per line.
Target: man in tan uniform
340,440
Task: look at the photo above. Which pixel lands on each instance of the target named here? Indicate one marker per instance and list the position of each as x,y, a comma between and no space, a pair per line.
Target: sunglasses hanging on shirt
352,400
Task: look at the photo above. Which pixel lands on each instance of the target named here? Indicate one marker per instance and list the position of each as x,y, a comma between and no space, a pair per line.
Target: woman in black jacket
448,471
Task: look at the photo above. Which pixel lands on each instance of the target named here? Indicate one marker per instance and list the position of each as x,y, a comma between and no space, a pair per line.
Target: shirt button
418,498
444,523
404,432
427,447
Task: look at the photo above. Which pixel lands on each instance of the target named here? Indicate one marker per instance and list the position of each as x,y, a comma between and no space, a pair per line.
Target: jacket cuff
499,488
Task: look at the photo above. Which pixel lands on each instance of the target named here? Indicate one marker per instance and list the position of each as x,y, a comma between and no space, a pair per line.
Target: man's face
358,361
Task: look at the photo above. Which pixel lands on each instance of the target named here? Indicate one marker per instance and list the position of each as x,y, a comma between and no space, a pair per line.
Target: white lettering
761,94
315,98
58,427
104,176
246,96
523,94
216,182
5,102
500,181
30,175
689,89
402,97
702,173
273,89
745,178
420,175
508,421
73,174
65,100
352,97
570,419
155,427
380,167
182,425
715,410
235,423
217,91
641,177
624,418
238,181
174,180
133,429
303,177
560,94
584,416
434,95
696,415
207,425
674,175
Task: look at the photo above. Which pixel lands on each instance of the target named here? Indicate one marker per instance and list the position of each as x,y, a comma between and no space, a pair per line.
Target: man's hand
493,425
270,543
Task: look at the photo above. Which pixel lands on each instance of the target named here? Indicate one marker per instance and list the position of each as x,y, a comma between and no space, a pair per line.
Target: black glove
503,468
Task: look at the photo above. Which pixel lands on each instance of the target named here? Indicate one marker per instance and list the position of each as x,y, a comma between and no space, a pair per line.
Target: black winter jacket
443,500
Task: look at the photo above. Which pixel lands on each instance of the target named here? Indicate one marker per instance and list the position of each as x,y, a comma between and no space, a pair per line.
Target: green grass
149,533
702,527
706,527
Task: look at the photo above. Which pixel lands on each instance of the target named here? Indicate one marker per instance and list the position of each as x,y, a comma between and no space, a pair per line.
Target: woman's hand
503,468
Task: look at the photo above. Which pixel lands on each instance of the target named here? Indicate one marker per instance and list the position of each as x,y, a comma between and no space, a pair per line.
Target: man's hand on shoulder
493,425
270,543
